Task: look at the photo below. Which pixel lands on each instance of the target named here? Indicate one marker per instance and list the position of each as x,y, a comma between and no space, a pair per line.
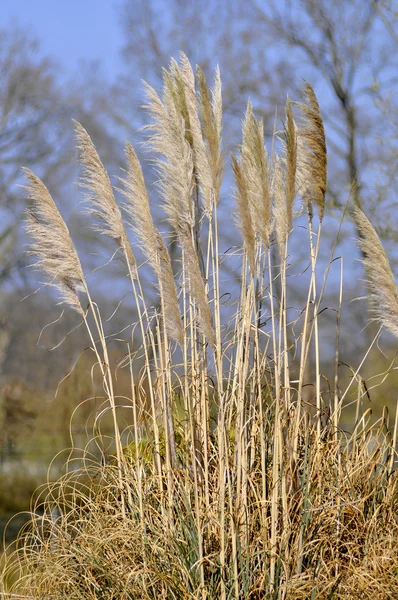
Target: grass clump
233,478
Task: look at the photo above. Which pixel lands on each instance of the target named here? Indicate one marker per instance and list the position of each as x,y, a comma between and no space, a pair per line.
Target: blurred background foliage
347,50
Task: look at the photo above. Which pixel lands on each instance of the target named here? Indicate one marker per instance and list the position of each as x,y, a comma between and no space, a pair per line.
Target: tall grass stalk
235,478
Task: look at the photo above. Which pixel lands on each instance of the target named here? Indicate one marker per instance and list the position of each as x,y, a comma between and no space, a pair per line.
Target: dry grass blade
137,208
52,245
383,290
100,194
311,153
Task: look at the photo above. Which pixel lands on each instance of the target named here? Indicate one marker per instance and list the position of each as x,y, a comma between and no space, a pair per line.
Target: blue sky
71,31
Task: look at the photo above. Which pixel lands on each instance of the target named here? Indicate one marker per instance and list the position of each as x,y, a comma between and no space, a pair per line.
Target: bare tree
210,33
346,49
36,131
348,52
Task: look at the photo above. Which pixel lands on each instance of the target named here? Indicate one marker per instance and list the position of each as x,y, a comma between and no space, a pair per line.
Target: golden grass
234,478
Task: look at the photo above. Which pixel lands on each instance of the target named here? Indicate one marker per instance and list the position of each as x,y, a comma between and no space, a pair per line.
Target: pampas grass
52,246
234,478
312,163
255,173
383,294
137,208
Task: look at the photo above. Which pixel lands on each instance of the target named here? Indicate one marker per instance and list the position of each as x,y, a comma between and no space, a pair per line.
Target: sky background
71,31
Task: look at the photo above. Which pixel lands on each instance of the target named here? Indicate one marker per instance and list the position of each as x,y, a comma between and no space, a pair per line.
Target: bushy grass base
337,531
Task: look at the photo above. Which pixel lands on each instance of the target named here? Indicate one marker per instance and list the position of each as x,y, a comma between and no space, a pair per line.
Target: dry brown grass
337,532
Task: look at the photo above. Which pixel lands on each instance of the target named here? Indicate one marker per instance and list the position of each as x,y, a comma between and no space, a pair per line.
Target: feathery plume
311,153
383,295
254,167
52,245
169,139
216,104
201,161
173,83
245,221
210,105
137,207
100,195
281,217
290,160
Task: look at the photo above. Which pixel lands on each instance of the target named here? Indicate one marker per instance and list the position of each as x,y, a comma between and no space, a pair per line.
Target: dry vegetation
233,477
